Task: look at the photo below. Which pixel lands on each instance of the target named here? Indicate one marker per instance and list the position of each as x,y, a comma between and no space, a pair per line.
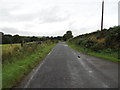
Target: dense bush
107,39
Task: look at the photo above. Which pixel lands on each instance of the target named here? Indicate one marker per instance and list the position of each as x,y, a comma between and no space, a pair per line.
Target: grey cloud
52,19
4,12
11,30
14,31
52,15
13,18
30,13
47,15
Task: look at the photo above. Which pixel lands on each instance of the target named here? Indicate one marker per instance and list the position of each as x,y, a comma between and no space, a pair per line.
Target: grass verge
89,52
15,71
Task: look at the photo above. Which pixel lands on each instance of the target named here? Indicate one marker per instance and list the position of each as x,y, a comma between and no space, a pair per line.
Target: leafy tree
6,39
17,39
67,36
33,38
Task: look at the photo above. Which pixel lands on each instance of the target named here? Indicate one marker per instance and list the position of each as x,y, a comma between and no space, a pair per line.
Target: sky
119,13
55,17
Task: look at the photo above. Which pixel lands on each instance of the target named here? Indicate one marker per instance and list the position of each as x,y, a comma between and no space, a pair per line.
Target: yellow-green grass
8,47
88,51
9,51
15,71
4,45
0,75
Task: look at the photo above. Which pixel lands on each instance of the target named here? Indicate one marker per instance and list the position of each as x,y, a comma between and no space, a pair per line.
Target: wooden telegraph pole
102,15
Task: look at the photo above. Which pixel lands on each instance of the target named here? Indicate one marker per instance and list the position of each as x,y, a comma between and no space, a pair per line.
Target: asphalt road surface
62,68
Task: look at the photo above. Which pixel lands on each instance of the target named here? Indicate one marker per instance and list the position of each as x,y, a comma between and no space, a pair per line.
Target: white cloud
55,17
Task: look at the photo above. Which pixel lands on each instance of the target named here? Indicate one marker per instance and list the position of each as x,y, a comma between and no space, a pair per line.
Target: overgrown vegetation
16,51
19,61
104,44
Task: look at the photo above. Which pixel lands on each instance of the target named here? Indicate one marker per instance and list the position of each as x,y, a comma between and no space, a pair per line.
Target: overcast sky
55,17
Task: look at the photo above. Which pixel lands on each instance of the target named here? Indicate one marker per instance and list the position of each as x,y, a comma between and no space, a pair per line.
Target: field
19,61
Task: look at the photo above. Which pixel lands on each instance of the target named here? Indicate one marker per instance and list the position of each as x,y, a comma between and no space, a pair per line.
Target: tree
17,39
33,38
6,39
67,36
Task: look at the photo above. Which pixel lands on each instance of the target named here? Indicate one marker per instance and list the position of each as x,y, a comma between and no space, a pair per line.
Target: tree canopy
67,36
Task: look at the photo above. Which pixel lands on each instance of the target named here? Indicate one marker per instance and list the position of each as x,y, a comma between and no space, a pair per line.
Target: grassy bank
23,62
113,56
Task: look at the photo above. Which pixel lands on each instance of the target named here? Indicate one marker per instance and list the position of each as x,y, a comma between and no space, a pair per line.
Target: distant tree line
11,39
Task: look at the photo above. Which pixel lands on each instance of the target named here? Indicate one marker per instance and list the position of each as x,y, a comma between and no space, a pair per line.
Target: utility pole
102,15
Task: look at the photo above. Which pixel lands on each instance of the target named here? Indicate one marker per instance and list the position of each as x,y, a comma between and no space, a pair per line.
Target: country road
62,68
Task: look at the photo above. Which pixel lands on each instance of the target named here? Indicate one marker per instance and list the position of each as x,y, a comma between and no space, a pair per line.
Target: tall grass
10,51
0,67
16,52
21,61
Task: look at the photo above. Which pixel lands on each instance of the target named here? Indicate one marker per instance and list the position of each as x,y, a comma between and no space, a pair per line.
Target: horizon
55,36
